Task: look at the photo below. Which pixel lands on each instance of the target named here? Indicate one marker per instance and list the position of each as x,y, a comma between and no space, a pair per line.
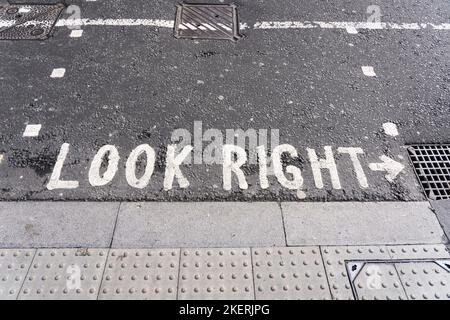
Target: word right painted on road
105,164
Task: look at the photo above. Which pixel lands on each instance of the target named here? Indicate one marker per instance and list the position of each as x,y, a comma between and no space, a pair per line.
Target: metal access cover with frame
207,21
28,21
432,166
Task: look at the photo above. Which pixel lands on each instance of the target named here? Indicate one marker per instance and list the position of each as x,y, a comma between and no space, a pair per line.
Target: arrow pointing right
392,167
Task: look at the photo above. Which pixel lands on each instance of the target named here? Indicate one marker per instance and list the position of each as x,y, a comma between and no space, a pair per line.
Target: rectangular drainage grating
207,21
432,166
27,21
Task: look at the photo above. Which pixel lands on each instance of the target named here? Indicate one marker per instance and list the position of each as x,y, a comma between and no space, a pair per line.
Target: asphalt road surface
319,89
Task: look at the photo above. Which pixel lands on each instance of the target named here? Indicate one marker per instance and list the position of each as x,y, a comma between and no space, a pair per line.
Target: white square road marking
58,73
76,33
368,71
390,129
351,30
32,130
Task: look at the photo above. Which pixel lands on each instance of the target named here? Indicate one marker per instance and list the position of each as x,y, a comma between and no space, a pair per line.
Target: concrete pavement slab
199,225
360,223
56,224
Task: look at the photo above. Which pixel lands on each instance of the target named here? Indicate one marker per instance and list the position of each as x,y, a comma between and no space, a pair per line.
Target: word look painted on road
105,164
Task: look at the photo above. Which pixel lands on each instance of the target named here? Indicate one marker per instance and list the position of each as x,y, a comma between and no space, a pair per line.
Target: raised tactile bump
289,273
216,274
335,266
64,274
14,265
378,281
429,251
426,280
141,274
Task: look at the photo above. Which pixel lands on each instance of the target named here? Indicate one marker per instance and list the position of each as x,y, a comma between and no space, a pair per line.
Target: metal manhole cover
27,21
432,166
207,21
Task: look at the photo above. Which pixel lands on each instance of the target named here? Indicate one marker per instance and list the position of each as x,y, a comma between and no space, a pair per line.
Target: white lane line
349,26
115,22
390,129
32,130
58,73
368,71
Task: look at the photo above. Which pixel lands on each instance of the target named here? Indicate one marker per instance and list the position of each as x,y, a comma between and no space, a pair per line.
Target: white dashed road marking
58,73
368,71
350,27
76,33
32,130
390,129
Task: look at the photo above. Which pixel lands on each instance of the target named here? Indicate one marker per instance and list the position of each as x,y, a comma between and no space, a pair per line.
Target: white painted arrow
392,167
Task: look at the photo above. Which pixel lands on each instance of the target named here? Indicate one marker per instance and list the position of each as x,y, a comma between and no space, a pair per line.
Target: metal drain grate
207,21
432,166
28,22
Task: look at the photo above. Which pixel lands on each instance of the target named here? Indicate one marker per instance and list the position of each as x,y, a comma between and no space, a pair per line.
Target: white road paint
234,157
230,166
360,175
297,180
32,130
115,22
351,30
390,129
112,156
368,71
1,158
262,162
173,164
392,167
76,33
55,182
58,73
130,168
327,163
348,26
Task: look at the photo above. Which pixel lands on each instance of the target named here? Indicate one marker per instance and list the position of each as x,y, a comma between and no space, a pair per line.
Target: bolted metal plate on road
426,280
207,21
432,166
289,273
27,21
377,281
141,274
14,265
337,270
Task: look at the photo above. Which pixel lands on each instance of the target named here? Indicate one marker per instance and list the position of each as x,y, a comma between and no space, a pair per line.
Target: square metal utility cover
207,21
28,21
432,166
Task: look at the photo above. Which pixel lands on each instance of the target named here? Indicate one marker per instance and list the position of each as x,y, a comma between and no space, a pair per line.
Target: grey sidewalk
215,224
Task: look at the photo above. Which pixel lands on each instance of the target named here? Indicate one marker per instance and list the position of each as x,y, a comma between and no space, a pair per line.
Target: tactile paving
64,274
335,265
433,251
289,273
216,274
141,274
426,280
14,266
377,281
